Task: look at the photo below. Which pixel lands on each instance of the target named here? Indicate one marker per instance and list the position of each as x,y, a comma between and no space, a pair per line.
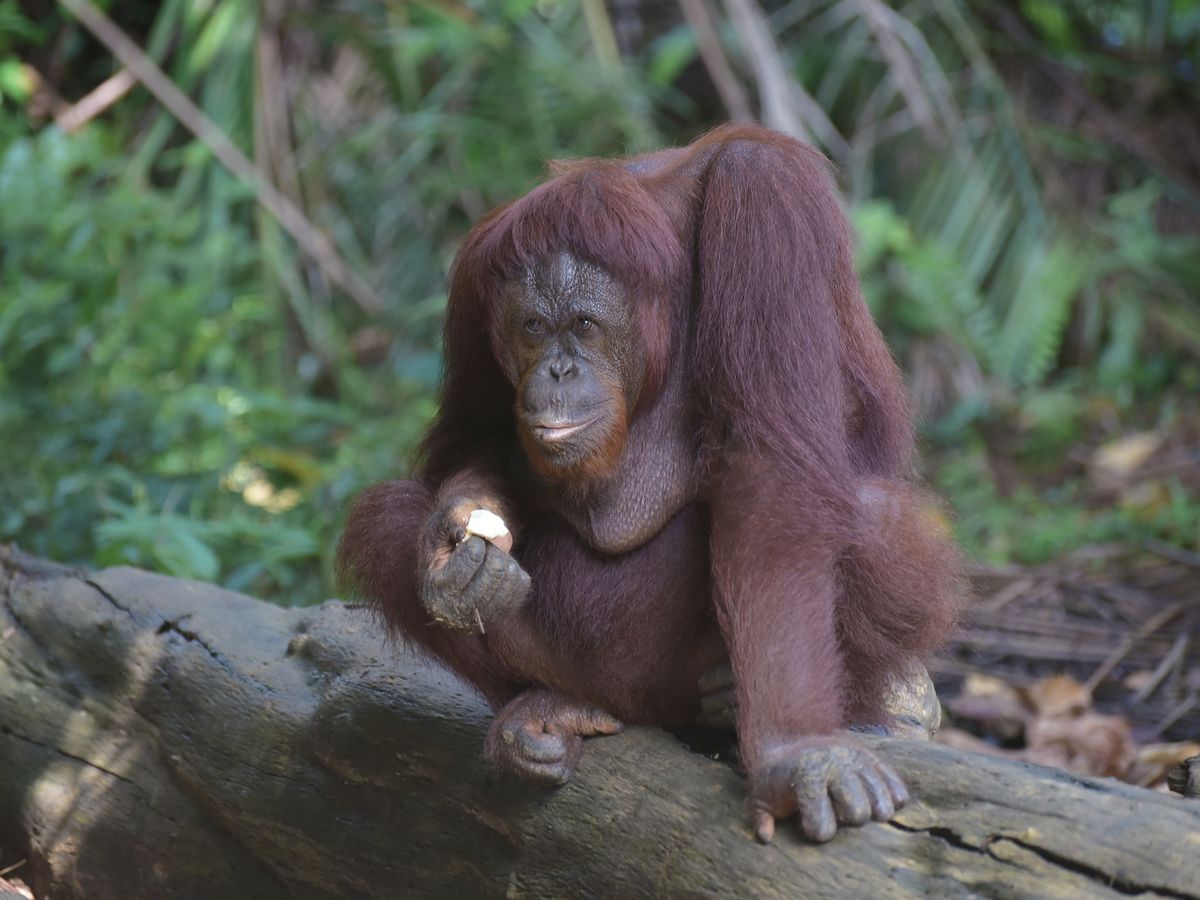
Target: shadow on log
163,738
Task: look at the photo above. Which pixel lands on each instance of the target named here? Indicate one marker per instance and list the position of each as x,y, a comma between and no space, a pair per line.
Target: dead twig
908,81
1007,594
95,101
1173,553
600,30
708,43
1122,650
1178,648
1177,712
785,104
288,214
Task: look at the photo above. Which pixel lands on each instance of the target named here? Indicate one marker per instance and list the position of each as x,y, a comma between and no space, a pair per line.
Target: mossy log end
163,738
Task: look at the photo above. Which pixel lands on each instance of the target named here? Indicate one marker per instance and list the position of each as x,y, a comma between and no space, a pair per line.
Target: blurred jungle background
224,250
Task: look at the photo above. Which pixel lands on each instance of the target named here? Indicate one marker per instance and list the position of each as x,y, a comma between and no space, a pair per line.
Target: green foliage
925,287
474,104
1034,525
178,388
181,389
129,348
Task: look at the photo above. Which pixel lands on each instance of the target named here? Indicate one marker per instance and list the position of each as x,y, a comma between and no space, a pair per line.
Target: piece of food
489,526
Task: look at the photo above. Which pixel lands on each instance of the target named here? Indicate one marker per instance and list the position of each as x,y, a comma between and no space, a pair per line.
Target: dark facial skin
572,347
574,354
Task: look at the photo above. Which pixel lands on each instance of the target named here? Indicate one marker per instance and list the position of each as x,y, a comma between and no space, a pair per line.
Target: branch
288,214
95,102
708,43
786,105
160,737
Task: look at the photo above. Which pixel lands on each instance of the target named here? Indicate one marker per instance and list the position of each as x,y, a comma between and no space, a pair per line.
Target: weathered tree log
162,738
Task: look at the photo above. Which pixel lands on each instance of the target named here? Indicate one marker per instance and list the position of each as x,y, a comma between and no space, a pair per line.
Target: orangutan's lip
553,432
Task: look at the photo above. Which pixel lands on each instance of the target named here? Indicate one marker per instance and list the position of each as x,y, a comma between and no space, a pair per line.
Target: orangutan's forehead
561,281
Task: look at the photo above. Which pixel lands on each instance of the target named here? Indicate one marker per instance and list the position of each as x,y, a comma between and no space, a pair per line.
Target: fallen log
161,737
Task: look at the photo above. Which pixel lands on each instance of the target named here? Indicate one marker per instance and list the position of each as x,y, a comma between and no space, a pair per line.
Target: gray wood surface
163,738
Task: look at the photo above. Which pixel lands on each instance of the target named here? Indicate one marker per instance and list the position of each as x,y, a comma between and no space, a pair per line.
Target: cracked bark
161,738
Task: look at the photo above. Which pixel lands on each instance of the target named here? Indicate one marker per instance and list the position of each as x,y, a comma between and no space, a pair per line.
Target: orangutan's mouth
553,432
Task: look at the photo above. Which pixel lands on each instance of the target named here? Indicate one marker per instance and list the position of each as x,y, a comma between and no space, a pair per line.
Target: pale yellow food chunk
487,525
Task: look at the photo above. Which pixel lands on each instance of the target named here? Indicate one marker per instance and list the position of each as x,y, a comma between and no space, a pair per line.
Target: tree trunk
162,738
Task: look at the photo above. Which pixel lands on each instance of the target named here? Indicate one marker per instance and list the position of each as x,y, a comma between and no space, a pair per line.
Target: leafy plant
182,388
